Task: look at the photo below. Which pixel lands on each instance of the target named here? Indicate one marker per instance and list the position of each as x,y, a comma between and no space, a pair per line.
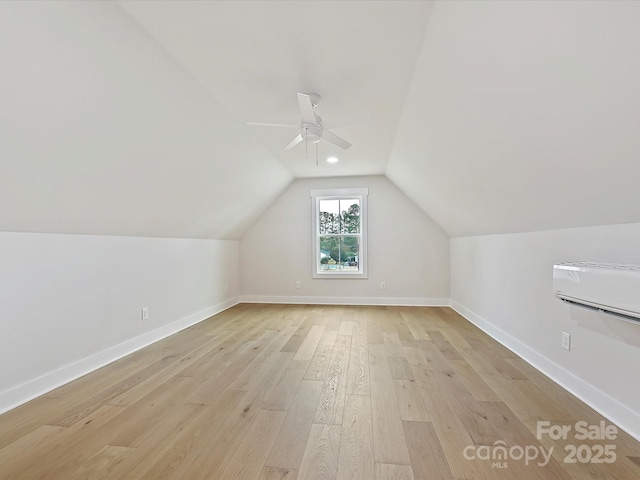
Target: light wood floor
286,392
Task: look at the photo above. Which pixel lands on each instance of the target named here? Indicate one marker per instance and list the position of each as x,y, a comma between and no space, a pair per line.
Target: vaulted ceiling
129,117
253,57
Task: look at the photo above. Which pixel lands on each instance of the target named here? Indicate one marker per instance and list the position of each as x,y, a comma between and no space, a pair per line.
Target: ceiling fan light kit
311,133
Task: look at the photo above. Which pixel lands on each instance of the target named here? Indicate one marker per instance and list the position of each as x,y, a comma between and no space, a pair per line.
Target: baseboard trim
317,300
609,407
20,394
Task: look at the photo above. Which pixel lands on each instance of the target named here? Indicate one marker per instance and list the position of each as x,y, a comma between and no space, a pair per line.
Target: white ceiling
254,56
129,118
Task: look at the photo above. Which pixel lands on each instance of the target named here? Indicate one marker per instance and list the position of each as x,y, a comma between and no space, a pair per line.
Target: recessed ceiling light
332,160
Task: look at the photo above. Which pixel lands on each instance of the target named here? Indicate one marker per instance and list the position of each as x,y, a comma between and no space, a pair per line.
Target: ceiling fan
311,129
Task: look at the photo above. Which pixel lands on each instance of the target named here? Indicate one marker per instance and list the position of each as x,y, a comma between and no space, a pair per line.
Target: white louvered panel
611,287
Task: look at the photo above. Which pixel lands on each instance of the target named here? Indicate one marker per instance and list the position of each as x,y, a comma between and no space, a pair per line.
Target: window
339,233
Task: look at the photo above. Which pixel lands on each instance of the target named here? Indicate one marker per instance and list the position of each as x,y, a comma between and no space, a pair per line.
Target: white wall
405,249
72,303
503,283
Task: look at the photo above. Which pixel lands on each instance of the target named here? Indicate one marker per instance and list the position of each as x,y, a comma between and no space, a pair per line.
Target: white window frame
332,194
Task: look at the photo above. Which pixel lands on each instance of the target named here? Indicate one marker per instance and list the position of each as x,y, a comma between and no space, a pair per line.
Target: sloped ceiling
524,116
129,118
254,56
102,132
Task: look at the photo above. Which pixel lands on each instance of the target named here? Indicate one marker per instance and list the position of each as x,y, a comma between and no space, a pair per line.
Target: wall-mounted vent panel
608,287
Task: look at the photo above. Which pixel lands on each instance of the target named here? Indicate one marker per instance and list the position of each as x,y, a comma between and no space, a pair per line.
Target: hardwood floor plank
501,424
400,368
61,454
310,343
32,441
228,438
108,375
414,356
249,458
280,396
455,339
288,448
159,459
262,362
355,457
84,408
237,351
433,319
296,340
435,359
138,419
346,328
102,464
427,458
22,420
319,364
448,351
358,370
255,362
389,443
329,337
230,347
414,323
374,333
474,383
331,404
392,344
274,473
451,433
404,333
528,402
411,404
320,461
386,471
374,330
145,387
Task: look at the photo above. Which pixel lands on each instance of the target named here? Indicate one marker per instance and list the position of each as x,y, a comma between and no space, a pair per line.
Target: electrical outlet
298,283
566,341
145,313
226,287
383,285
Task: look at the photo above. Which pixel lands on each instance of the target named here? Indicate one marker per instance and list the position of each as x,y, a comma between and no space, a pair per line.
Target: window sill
341,276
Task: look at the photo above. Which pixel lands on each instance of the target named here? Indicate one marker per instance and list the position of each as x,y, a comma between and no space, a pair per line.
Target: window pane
350,215
339,216
349,251
329,245
339,254
329,216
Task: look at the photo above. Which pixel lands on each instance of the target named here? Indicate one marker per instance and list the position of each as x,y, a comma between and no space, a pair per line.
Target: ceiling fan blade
294,142
306,109
273,124
336,140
